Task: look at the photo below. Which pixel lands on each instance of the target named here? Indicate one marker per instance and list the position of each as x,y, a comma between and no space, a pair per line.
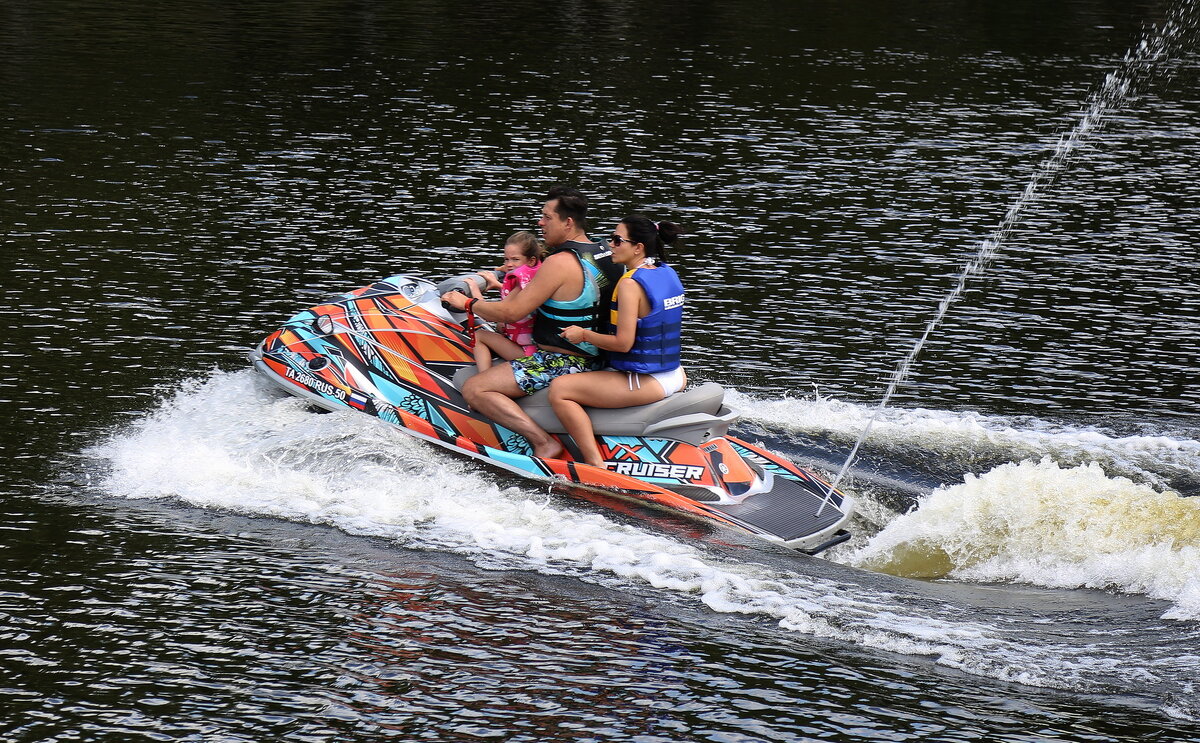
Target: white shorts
672,381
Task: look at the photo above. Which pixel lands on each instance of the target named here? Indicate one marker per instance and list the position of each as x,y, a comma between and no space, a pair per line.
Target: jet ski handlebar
461,284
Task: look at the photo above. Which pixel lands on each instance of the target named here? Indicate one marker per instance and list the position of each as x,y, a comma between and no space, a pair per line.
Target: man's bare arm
555,271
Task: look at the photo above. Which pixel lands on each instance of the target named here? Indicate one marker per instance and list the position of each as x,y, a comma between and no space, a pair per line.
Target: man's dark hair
569,203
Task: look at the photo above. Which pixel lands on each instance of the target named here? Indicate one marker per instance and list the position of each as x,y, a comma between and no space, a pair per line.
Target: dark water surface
188,556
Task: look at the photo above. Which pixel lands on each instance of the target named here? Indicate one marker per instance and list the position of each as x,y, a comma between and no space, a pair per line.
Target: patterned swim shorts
536,371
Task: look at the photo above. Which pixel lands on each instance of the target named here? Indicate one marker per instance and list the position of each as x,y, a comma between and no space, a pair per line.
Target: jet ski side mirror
323,325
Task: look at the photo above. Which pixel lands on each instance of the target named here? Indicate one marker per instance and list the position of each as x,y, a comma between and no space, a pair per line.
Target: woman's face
624,251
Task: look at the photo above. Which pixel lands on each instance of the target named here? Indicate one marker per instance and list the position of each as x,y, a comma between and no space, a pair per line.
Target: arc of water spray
1118,85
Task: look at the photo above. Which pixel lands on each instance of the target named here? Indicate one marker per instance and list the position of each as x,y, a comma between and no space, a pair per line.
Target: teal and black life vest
656,347
586,310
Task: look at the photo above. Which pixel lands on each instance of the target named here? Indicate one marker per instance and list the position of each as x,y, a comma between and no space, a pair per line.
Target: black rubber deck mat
787,511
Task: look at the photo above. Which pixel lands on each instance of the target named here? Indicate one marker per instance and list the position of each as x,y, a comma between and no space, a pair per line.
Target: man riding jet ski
569,289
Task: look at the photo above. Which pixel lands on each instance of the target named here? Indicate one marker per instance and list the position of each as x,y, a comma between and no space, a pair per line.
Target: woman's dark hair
656,236
569,204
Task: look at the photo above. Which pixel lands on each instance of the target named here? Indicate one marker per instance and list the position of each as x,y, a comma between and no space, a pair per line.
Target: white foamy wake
1068,521
1148,458
225,443
1049,526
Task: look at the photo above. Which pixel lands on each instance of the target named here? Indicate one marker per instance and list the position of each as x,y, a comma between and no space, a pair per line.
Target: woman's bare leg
569,395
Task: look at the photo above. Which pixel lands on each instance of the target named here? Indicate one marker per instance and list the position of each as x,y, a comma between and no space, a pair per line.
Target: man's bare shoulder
557,264
565,258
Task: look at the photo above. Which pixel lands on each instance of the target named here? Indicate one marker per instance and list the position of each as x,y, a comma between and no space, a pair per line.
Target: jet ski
394,351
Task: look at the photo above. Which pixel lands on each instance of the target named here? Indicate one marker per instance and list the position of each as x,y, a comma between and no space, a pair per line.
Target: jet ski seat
694,415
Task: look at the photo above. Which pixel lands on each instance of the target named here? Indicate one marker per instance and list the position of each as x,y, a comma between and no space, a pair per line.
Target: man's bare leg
493,392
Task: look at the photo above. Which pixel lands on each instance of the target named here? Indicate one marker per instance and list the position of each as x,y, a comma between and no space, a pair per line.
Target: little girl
523,254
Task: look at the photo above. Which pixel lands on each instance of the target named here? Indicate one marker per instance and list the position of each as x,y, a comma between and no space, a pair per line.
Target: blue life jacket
656,346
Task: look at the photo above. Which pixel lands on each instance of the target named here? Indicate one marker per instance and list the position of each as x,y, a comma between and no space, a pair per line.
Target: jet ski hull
391,350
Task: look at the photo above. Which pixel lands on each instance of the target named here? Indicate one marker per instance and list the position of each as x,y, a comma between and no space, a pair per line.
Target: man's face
555,229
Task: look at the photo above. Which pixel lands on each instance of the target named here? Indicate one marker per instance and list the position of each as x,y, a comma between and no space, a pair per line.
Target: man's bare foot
549,450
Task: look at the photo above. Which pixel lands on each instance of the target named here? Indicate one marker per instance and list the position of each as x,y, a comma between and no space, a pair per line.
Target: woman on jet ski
643,344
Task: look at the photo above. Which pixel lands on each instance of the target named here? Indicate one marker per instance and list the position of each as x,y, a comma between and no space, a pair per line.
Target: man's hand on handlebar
455,299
